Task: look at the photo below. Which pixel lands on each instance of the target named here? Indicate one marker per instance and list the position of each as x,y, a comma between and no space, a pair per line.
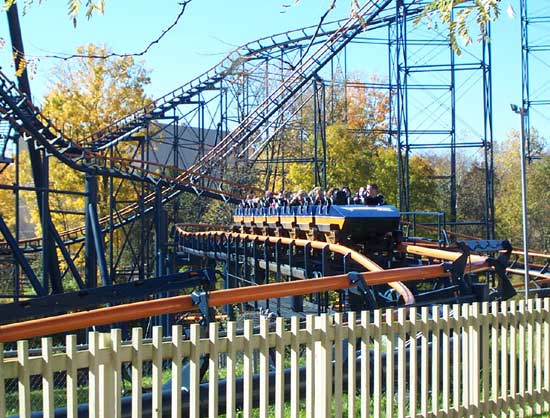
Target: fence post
264,366
365,364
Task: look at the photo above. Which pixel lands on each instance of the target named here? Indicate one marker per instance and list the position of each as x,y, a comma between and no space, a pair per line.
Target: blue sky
211,28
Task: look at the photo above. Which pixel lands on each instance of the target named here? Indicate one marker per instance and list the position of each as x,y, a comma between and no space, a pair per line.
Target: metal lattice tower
535,56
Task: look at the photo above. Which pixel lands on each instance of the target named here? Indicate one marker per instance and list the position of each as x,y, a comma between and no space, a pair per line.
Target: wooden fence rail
460,360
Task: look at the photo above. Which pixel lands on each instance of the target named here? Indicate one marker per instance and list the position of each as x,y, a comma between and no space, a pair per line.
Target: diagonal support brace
200,299
356,279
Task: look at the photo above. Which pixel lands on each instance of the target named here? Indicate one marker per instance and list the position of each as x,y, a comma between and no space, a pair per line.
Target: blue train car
356,223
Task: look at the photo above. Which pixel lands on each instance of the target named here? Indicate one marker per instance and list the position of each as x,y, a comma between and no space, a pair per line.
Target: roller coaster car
355,223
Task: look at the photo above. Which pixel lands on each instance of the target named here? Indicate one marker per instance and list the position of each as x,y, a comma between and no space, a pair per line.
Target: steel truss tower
434,88
535,55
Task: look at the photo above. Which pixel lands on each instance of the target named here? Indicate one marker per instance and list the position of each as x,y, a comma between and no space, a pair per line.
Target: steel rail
184,303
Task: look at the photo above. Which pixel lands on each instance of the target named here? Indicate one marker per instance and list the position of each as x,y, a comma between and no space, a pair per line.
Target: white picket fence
461,360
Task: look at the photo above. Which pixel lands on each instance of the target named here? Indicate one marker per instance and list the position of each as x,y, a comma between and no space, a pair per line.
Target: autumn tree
508,211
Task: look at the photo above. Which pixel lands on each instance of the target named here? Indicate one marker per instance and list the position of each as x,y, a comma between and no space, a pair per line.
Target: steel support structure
428,77
239,115
535,54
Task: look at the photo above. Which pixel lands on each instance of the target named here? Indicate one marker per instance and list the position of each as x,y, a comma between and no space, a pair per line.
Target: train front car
370,227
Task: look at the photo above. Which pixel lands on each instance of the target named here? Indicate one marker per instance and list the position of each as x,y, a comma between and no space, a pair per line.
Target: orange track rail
104,316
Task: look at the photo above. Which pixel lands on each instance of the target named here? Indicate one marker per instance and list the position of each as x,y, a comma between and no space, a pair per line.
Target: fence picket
105,377
435,359
351,362
365,363
538,356
377,352
137,371
231,405
177,358
475,373
248,362
2,384
157,372
546,356
23,376
194,370
47,378
264,366
323,368
93,374
213,369
294,367
279,369
72,378
485,364
445,359
116,347
401,366
504,354
413,366
310,366
521,355
338,363
512,321
424,361
389,363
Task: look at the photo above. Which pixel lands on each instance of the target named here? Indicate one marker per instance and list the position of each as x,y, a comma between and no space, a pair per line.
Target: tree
471,198
83,97
456,15
74,7
508,210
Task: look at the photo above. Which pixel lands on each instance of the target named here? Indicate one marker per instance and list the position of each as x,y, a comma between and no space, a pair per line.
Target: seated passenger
347,191
319,197
373,198
268,201
339,197
359,197
298,199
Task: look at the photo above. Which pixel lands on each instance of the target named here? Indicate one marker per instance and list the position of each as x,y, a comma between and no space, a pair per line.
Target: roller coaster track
185,303
539,266
228,67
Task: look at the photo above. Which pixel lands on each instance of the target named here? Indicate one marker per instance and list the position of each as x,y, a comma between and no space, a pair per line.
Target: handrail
184,303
